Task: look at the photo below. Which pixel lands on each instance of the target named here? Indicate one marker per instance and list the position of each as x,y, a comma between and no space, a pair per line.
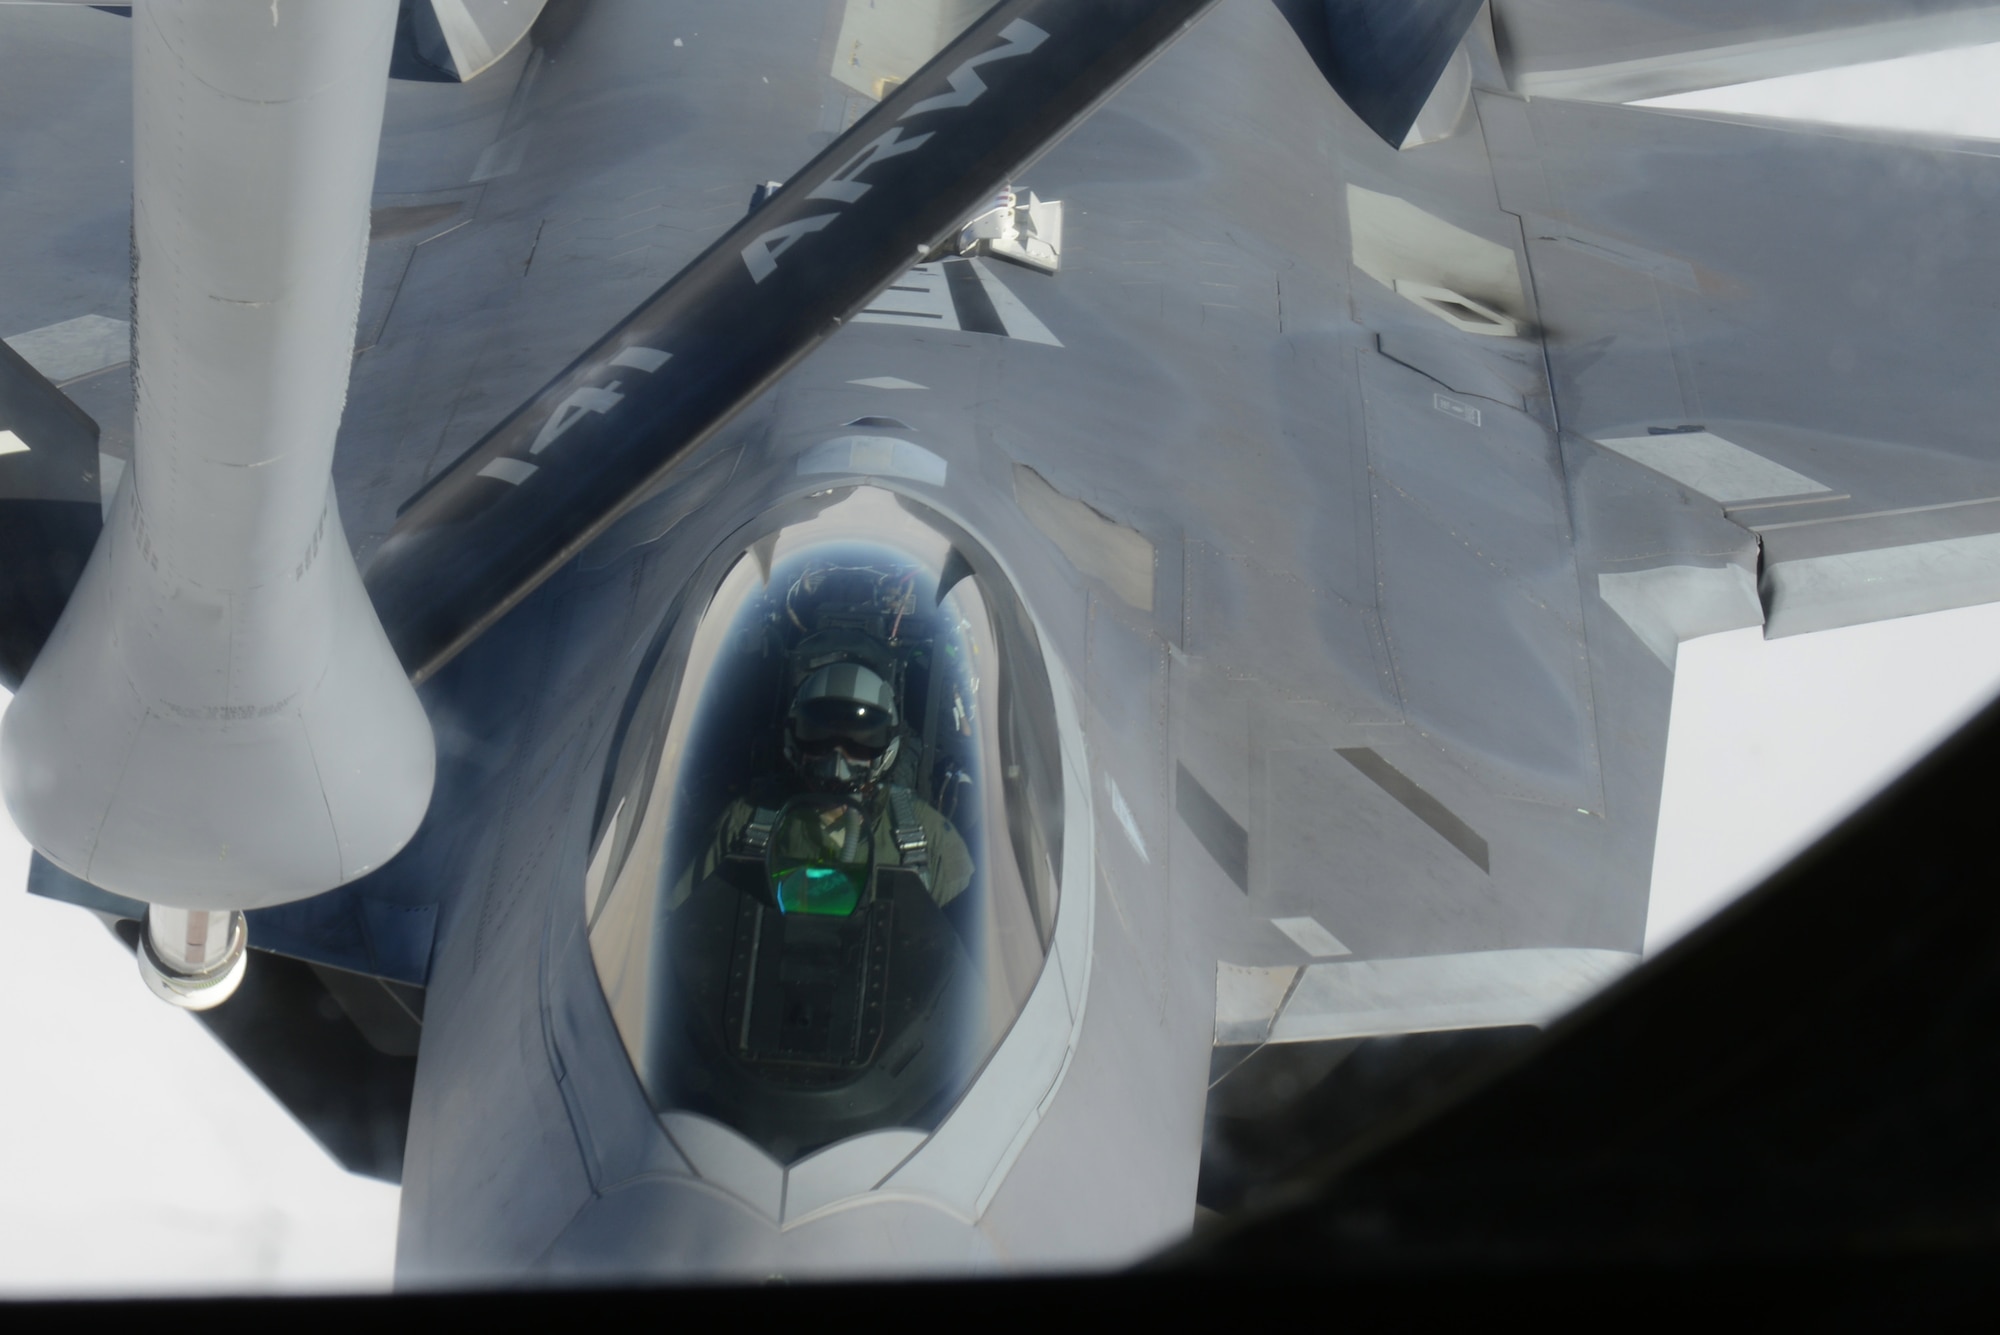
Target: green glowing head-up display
820,856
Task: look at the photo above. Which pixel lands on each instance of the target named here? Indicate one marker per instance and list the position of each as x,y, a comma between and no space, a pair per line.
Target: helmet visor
861,730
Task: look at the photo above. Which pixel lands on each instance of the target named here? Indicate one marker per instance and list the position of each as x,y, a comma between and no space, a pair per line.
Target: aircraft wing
1704,373
1615,378
1785,320
1630,49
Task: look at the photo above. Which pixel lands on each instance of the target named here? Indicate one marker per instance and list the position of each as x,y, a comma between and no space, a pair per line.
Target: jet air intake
217,721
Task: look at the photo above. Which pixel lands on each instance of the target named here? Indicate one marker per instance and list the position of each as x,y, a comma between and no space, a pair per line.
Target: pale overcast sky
111,1096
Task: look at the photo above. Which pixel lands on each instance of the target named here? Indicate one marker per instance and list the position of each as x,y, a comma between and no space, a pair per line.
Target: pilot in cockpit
822,954
845,810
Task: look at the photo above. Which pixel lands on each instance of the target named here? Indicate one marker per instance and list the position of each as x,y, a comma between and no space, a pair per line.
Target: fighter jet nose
840,1005
687,1225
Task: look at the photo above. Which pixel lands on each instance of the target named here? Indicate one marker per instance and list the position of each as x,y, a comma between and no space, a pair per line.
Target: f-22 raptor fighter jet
836,637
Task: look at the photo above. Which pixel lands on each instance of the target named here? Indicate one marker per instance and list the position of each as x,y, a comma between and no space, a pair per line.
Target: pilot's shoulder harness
911,840
756,835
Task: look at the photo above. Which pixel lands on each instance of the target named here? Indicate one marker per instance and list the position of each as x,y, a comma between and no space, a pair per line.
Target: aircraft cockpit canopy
823,878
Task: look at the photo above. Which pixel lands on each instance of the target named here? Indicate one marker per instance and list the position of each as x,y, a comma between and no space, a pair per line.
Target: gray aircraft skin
1329,519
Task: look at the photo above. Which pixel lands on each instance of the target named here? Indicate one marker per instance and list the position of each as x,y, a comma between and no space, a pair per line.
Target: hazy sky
110,1097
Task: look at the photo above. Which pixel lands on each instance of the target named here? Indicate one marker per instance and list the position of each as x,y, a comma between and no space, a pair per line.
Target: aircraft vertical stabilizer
1384,57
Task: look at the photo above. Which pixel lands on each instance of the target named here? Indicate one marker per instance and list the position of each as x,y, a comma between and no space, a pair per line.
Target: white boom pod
218,722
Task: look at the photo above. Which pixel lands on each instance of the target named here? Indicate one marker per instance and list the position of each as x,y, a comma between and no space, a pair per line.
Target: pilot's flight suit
940,857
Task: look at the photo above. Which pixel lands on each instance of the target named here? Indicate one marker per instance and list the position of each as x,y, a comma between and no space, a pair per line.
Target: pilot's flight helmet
841,732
